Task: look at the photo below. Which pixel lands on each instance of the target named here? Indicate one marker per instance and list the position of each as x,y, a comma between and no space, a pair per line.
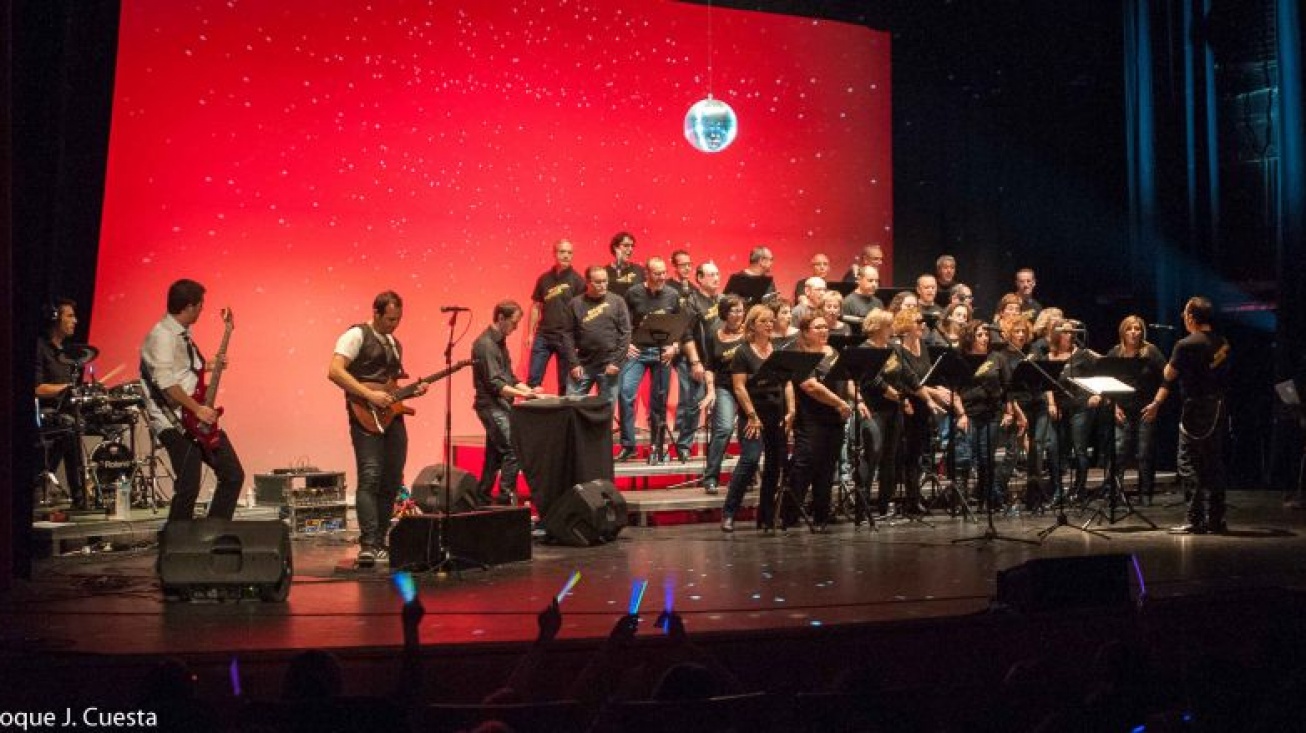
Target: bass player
367,362
181,406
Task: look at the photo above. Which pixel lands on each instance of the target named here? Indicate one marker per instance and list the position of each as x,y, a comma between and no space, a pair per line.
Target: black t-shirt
554,291
769,399
719,355
1202,360
1149,377
808,407
983,396
622,279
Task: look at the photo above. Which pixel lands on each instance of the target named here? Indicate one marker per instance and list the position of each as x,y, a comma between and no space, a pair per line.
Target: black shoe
1218,528
710,487
1189,528
625,455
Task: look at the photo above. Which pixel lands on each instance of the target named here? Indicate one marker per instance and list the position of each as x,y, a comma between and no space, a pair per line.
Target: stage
743,596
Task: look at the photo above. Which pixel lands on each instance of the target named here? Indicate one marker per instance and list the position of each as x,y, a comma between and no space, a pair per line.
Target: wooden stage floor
109,603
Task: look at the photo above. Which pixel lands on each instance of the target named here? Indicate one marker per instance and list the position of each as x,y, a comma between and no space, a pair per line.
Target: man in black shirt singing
553,292
597,338
623,273
653,296
1199,364
496,387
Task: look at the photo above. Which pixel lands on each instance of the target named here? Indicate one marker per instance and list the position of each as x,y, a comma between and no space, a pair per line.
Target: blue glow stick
571,583
404,583
636,596
234,673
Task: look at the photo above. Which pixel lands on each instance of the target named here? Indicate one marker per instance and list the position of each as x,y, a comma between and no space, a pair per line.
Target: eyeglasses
965,297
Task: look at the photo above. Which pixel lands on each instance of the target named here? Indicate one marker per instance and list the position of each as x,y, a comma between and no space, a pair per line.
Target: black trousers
187,458
816,454
1200,459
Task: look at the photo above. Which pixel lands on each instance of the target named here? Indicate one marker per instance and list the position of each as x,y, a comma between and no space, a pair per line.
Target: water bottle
122,504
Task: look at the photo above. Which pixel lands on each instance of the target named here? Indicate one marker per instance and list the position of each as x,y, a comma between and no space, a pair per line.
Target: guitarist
171,365
367,356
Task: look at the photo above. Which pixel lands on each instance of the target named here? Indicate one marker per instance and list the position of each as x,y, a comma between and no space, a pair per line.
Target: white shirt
351,342
171,362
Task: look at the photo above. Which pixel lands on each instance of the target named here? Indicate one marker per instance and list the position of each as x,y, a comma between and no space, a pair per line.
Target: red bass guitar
206,391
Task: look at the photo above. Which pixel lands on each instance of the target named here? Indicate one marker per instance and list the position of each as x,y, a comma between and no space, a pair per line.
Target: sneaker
710,487
382,554
1189,528
728,524
366,556
625,455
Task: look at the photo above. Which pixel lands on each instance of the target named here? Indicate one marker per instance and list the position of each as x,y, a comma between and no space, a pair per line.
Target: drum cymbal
78,354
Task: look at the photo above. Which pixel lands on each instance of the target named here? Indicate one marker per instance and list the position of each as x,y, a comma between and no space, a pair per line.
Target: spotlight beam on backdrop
298,157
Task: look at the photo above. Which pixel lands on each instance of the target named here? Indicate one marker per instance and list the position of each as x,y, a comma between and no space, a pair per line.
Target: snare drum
110,462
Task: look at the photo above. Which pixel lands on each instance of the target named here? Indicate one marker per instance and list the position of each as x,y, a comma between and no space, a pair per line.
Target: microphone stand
448,560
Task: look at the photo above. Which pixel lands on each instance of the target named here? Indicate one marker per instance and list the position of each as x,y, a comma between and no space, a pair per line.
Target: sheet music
1102,385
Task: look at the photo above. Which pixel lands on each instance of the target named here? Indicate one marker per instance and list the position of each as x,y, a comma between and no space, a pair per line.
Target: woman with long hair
721,343
909,372
1134,435
883,429
763,415
954,320
822,413
986,411
1072,408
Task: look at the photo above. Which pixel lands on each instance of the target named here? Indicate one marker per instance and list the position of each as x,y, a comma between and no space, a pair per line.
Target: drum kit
88,410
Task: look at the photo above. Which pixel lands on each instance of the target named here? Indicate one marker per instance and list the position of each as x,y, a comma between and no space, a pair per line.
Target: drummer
56,373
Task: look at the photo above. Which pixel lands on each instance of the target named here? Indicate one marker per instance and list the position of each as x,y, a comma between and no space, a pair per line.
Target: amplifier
300,489
313,520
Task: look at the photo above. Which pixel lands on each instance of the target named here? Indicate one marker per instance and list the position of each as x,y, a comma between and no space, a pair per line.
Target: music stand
858,363
842,287
1291,398
751,288
658,330
953,372
780,367
1109,378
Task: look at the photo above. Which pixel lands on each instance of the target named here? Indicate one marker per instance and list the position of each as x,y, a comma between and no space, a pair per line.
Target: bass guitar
206,391
375,419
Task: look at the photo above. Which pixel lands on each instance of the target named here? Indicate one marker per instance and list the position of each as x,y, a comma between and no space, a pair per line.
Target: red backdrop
298,157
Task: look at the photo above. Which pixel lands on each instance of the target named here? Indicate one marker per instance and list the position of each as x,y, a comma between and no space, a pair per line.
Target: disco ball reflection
710,125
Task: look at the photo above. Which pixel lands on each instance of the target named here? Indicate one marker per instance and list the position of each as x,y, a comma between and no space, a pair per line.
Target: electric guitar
375,419
206,391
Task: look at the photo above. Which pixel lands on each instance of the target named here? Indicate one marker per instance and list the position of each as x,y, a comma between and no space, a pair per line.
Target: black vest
375,363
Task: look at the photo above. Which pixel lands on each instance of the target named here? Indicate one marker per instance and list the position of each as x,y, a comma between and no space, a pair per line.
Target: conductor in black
1200,366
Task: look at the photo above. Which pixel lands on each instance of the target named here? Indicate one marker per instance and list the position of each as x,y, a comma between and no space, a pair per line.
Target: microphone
1161,326
453,309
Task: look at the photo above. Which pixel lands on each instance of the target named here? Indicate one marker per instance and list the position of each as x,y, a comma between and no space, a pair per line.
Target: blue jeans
380,460
1079,424
592,378
544,346
632,374
981,441
691,393
500,457
723,422
1134,440
768,446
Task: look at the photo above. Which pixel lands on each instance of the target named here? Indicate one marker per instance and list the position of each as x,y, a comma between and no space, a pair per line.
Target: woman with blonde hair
1134,435
882,421
763,415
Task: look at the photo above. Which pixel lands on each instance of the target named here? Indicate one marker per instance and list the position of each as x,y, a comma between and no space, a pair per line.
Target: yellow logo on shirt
595,312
